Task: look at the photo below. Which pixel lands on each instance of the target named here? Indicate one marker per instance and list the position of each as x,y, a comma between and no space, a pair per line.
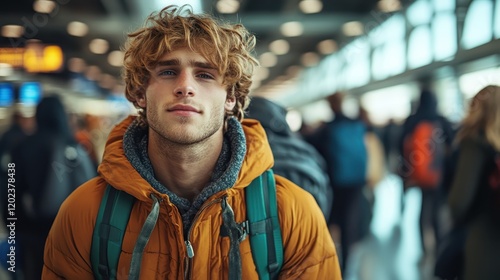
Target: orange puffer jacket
309,252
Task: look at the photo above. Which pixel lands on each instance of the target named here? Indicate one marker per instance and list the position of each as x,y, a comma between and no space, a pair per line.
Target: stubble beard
180,135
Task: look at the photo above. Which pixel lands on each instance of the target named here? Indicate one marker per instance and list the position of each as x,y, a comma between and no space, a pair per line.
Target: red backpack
424,153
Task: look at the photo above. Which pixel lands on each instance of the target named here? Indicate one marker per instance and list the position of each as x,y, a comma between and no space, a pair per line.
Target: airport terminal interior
380,53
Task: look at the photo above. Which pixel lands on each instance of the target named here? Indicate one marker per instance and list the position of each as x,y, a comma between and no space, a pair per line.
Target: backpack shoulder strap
264,227
109,230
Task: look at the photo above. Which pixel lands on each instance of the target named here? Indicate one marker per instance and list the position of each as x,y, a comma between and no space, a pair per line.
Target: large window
497,19
444,30
389,54
357,70
478,24
419,47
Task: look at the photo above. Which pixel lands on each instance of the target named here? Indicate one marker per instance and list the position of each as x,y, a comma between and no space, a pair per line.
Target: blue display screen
30,93
6,94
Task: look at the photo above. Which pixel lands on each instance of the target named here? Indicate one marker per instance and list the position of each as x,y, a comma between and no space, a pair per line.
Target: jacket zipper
189,247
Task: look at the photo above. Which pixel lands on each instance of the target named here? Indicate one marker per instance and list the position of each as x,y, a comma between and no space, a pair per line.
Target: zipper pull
189,248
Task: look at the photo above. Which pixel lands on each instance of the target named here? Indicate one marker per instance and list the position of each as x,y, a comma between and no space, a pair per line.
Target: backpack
294,158
346,153
263,229
424,155
299,162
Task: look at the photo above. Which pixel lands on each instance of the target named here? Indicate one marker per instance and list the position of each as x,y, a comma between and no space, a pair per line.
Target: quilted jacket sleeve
309,251
67,249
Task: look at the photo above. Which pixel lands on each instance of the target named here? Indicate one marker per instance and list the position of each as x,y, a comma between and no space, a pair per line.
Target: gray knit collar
135,142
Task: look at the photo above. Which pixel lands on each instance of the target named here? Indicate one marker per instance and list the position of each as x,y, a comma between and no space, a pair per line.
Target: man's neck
184,169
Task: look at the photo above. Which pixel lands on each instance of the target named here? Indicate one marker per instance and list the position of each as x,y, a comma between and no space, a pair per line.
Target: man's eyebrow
177,62
169,62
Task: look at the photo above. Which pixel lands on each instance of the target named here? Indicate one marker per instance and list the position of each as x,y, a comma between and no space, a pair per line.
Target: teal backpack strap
109,230
264,226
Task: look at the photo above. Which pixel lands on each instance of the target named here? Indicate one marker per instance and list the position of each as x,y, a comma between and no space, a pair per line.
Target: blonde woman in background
473,200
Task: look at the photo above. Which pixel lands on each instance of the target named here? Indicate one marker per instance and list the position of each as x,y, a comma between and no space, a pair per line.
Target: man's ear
141,101
230,103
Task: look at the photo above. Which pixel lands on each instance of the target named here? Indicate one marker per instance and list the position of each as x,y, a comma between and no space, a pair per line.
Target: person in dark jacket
427,112
44,163
19,129
474,197
294,158
342,143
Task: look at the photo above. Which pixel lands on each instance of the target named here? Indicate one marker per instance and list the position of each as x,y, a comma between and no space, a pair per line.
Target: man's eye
205,76
166,73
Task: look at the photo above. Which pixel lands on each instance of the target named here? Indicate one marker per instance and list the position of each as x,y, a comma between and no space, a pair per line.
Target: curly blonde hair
483,116
227,46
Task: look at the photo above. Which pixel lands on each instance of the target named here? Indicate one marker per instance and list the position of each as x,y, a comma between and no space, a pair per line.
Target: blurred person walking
474,198
424,145
20,128
186,163
49,165
79,124
342,143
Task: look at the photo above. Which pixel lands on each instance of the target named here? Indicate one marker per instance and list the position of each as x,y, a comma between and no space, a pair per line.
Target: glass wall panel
478,24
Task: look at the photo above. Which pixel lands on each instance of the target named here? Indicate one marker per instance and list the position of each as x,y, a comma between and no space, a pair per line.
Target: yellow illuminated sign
43,59
12,56
35,59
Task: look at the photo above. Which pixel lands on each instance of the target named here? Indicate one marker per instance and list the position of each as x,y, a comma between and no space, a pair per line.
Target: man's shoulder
290,195
85,198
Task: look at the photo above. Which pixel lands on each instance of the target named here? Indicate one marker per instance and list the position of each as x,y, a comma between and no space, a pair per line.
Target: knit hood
135,144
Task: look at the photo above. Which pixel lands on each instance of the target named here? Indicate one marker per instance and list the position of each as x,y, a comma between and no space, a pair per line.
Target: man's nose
185,84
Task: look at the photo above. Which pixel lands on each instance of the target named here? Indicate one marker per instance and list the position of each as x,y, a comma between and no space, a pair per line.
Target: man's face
185,98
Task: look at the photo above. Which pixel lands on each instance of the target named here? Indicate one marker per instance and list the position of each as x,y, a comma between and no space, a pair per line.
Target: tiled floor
392,250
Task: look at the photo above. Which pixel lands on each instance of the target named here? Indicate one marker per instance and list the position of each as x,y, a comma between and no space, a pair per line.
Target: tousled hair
483,117
228,47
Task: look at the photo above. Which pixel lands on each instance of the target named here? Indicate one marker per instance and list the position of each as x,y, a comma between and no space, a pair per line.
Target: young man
188,158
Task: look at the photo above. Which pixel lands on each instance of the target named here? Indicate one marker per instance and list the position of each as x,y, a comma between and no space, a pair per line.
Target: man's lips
182,107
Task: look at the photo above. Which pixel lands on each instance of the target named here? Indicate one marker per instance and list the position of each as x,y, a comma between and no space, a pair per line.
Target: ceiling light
388,6
78,29
99,46
268,59
327,46
311,6
352,28
44,6
279,47
292,29
12,31
227,6
309,59
115,58
76,65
